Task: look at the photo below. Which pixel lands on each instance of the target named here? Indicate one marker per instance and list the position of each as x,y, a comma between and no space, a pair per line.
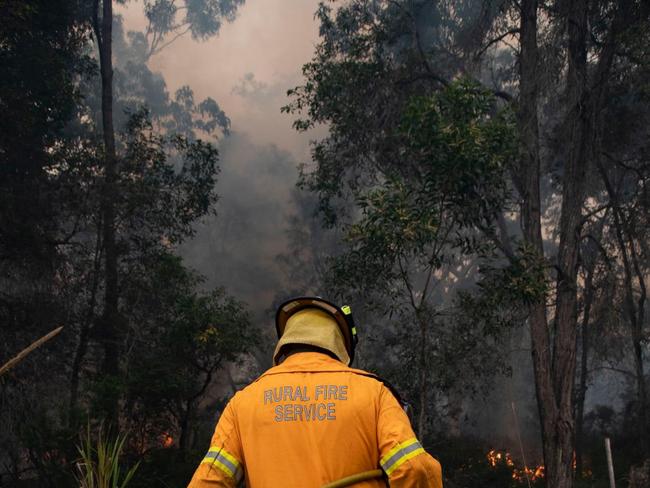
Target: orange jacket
310,421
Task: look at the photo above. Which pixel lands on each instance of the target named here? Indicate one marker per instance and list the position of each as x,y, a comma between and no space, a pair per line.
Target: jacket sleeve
222,466
402,457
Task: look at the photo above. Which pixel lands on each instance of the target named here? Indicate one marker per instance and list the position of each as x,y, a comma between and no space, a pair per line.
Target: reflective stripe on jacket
310,421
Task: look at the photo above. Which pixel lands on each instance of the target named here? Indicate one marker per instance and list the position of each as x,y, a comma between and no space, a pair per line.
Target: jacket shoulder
381,380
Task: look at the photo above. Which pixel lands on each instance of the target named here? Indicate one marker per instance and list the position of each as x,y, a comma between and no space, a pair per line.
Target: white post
610,464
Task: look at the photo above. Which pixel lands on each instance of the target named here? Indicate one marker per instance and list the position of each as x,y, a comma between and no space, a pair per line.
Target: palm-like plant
99,464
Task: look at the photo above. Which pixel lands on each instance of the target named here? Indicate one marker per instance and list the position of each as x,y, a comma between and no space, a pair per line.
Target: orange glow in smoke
166,440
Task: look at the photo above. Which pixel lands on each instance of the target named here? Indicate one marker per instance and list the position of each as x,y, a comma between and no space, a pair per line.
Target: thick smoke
237,248
247,70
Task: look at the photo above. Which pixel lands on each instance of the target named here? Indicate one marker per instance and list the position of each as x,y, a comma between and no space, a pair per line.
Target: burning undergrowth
470,463
499,459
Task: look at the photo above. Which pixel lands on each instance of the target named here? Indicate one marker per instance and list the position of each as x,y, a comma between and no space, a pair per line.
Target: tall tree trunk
559,466
84,334
529,189
584,356
554,370
110,333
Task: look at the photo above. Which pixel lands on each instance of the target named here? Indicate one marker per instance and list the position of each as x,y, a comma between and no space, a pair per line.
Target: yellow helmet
342,315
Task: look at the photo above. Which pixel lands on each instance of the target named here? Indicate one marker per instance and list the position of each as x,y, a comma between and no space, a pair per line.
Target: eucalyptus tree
414,236
203,19
557,69
595,31
92,206
167,20
424,162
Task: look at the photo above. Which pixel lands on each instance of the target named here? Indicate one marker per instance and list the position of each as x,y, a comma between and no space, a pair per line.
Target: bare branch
156,50
496,40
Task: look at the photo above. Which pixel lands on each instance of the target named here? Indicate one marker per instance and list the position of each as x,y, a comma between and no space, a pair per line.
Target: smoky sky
247,68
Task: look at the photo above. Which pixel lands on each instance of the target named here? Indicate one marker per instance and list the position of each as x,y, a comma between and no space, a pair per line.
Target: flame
495,457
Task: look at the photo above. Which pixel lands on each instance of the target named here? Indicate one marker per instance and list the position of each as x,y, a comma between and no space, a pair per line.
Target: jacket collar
308,361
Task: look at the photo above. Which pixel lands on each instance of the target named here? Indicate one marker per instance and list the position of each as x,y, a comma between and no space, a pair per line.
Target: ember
166,440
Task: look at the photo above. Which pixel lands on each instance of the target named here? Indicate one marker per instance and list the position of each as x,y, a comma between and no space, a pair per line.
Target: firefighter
311,419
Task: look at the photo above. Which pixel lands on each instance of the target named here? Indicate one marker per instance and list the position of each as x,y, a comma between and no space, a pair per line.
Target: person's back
312,420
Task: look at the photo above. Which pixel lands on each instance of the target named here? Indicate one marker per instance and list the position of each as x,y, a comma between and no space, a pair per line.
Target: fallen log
22,354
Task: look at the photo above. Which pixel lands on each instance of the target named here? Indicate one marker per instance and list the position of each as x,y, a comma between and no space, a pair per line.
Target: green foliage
364,75
462,146
456,155
36,37
45,177
51,242
395,226
137,86
99,465
166,183
40,435
186,116
202,18
502,293
412,169
182,339
523,281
